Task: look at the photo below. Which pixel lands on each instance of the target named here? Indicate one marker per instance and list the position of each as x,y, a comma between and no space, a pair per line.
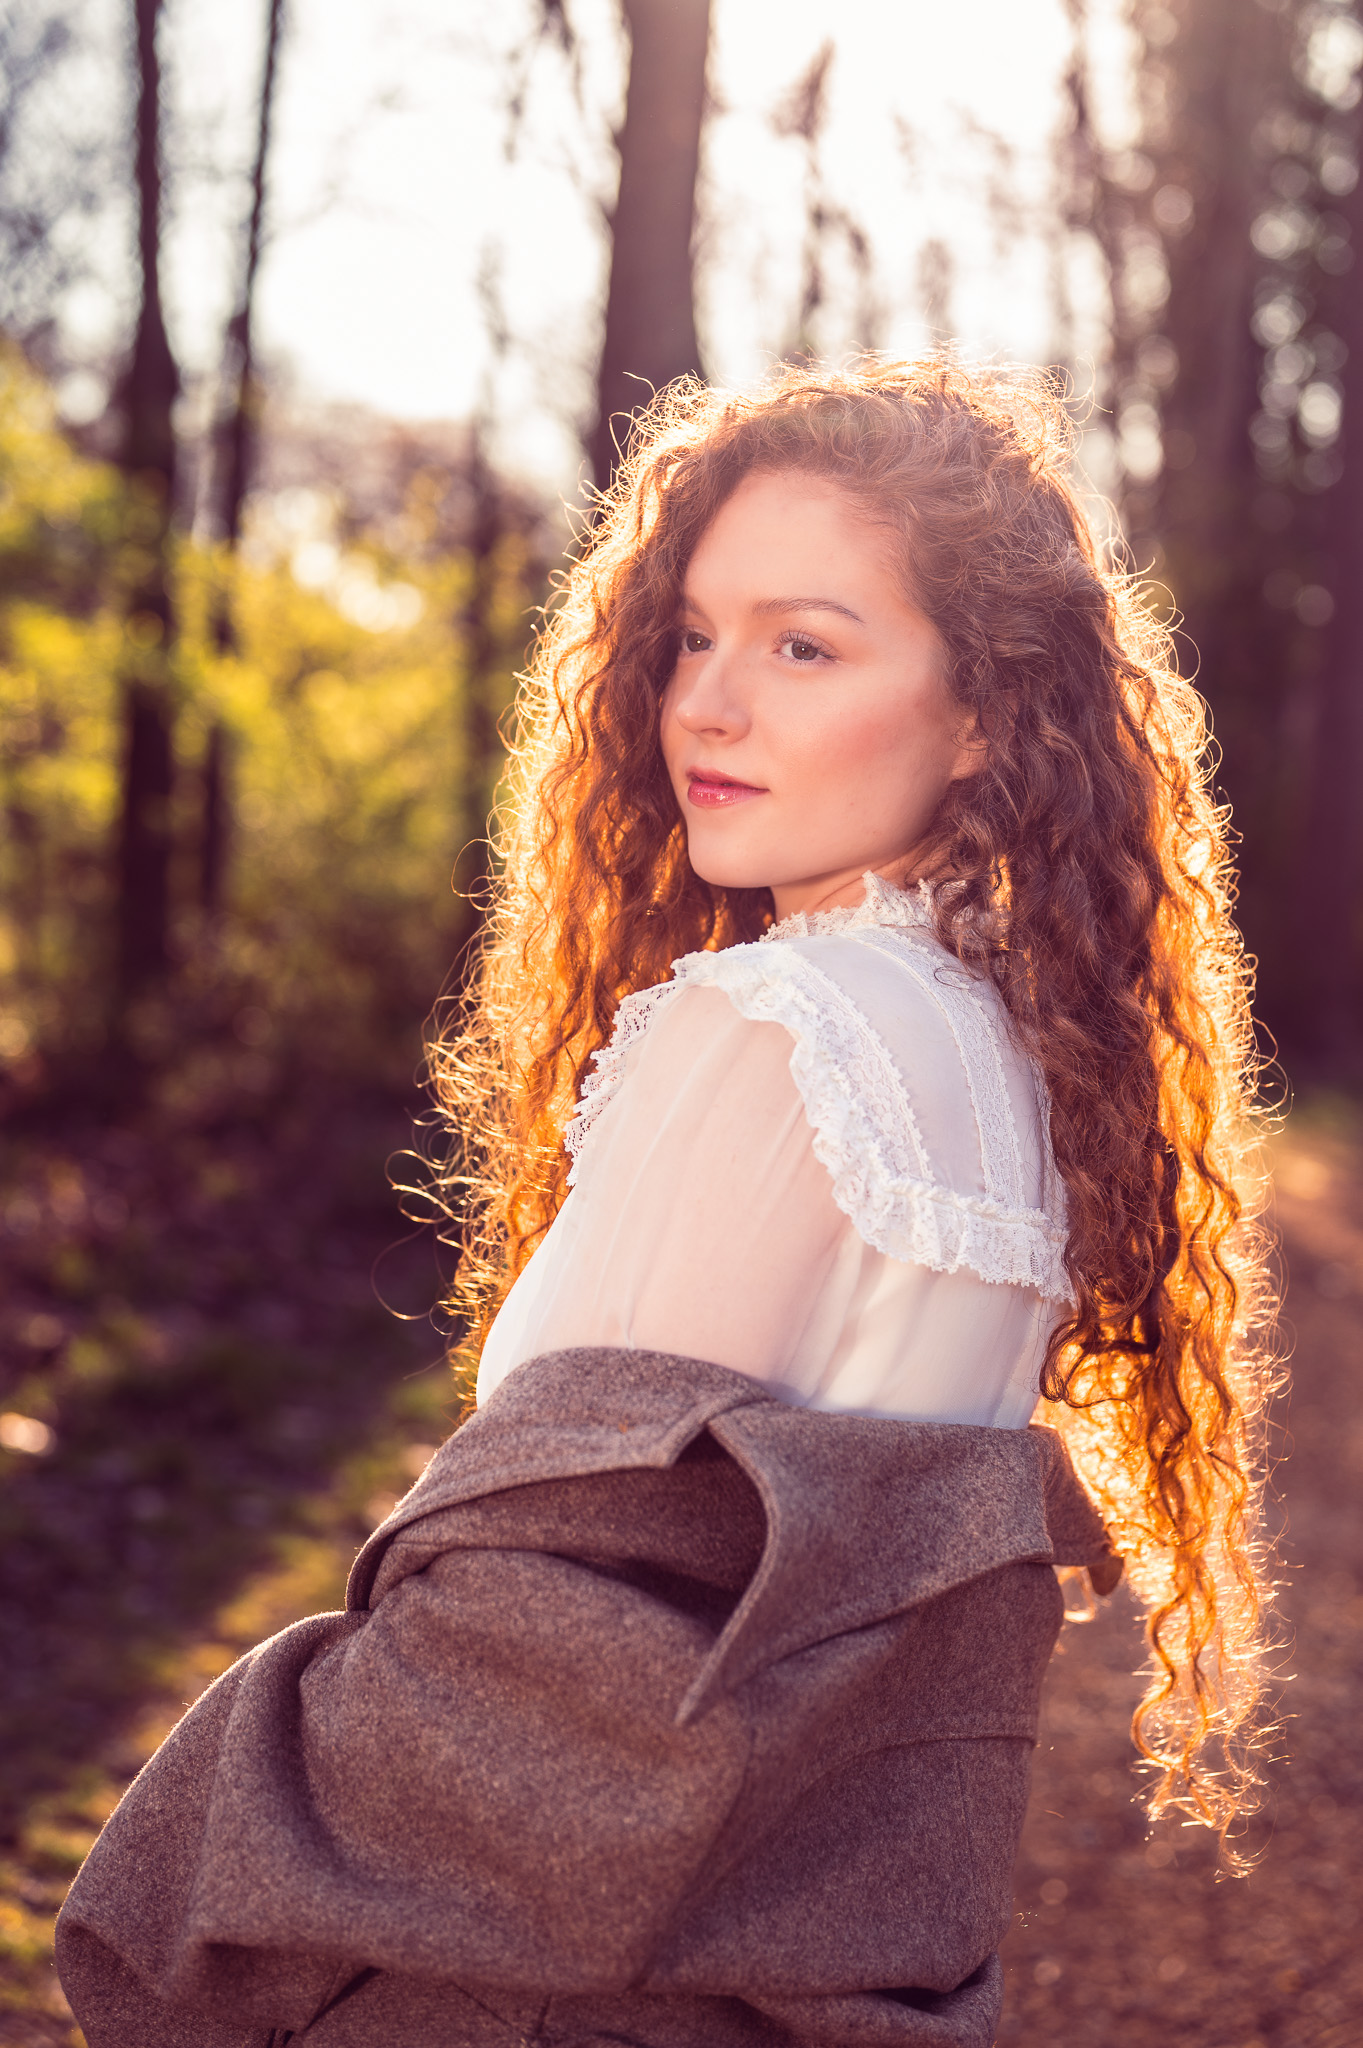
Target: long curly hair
1087,876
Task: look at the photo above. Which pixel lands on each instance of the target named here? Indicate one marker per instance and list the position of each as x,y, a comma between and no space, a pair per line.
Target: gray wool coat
662,1714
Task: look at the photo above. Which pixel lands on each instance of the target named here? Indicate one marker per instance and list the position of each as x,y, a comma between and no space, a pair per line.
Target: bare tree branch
50,177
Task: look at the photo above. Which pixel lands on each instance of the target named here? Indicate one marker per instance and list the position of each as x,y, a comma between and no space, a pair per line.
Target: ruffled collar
883,904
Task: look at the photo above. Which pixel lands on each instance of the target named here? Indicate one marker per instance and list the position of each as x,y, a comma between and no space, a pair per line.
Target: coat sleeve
482,1780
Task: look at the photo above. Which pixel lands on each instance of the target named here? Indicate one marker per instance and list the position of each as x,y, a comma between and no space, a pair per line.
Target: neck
843,890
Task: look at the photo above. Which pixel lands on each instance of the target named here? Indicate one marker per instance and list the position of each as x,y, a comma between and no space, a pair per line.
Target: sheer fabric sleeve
701,1222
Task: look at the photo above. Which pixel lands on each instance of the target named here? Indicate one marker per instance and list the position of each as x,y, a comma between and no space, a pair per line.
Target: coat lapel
865,1517
868,1518
563,1416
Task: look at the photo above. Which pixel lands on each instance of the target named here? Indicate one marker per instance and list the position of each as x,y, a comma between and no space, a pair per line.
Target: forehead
780,524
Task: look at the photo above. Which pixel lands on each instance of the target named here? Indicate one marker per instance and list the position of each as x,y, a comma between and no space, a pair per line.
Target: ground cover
243,1411
204,1408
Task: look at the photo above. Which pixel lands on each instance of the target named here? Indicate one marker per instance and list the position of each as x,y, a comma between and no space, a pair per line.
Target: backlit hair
1088,878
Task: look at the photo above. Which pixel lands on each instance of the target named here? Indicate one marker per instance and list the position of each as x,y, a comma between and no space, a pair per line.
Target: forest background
258,645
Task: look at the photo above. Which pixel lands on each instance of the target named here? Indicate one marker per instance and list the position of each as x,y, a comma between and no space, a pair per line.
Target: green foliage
60,528
62,518
342,707
198,1243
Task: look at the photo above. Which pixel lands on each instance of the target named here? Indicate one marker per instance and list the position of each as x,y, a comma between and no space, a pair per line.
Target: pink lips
711,792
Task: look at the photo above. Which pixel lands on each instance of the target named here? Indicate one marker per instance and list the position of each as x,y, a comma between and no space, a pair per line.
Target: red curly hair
1087,877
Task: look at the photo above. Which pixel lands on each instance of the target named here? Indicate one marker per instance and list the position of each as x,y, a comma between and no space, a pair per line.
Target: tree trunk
239,421
144,849
1222,112
1327,927
215,819
148,458
650,335
1231,184
1226,60
234,451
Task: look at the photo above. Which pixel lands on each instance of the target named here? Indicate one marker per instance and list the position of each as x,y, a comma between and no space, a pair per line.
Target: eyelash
788,639
794,639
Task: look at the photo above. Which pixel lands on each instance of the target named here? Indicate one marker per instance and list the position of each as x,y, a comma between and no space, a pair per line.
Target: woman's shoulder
839,988
927,1119
669,1035
884,1000
931,1121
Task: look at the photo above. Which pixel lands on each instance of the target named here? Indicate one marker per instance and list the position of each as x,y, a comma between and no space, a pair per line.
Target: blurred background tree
52,172
255,657
1229,235
649,333
1224,226
150,387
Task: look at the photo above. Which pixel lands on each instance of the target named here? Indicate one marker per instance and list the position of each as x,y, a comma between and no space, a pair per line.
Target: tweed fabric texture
662,1713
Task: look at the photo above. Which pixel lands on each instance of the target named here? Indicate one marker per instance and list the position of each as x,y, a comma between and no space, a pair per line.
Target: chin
726,868
722,874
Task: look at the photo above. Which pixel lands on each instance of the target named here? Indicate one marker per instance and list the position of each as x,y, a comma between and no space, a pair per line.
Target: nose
704,701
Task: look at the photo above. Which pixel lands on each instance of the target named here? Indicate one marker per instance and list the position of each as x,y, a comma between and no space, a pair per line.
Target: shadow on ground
254,1414
191,1332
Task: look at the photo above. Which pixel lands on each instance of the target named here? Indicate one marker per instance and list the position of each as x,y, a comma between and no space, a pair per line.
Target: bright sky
391,189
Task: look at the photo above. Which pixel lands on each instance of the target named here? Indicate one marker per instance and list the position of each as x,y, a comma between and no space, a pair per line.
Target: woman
864,893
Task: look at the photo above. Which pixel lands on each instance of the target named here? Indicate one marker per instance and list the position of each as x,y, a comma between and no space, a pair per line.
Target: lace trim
883,904
964,1006
865,1130
632,1019
889,914
866,1136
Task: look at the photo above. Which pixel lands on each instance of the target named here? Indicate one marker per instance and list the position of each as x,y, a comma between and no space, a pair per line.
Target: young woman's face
808,729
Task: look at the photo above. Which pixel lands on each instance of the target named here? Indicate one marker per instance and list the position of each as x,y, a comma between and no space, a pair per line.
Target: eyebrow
770,607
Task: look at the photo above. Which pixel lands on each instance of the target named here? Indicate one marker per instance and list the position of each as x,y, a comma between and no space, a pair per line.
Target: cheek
885,747
670,734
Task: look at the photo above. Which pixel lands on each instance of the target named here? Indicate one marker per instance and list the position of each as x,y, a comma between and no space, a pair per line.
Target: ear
972,749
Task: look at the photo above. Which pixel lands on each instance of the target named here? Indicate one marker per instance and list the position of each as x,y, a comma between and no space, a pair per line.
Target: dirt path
1129,1941
1122,1940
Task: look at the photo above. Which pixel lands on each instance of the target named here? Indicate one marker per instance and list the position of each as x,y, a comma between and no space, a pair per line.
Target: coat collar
563,1416
865,1517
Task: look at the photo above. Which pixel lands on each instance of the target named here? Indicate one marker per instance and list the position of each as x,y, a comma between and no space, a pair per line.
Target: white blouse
867,1219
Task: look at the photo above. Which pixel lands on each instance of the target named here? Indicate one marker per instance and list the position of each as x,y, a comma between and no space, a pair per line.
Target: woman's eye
693,642
803,650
